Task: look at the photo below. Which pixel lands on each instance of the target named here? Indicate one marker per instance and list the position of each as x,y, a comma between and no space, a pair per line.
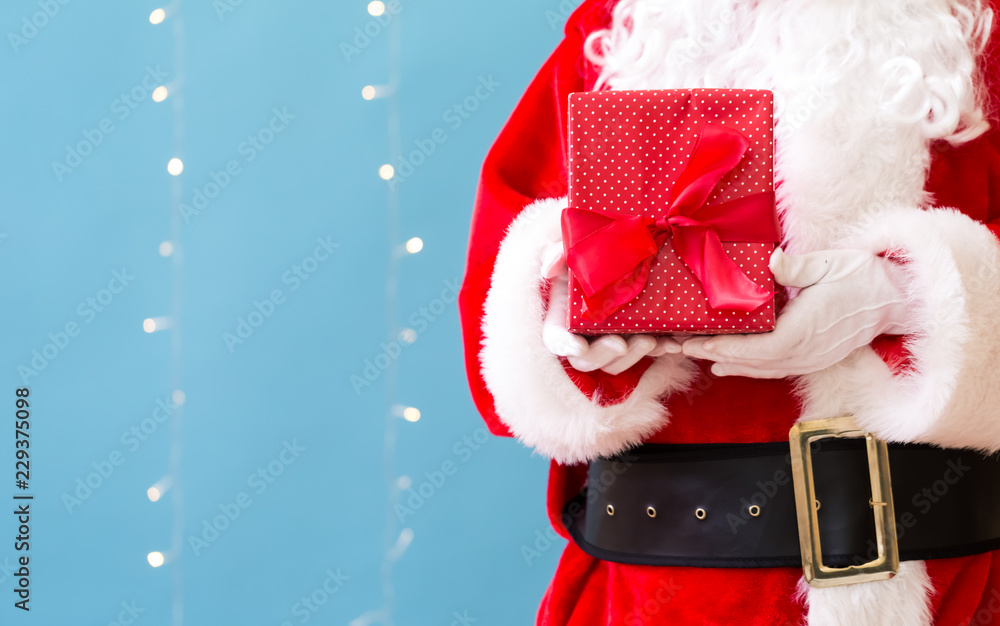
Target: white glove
849,297
611,353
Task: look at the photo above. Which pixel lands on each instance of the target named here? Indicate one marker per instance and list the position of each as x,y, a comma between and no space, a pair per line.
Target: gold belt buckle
886,564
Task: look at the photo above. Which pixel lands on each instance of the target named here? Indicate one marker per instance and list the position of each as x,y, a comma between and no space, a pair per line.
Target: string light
154,324
395,541
407,335
371,92
171,481
414,245
402,543
161,487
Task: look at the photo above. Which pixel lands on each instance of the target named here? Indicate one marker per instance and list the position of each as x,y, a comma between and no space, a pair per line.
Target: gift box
671,219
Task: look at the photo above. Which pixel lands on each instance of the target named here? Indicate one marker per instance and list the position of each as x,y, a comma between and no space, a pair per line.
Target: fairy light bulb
414,245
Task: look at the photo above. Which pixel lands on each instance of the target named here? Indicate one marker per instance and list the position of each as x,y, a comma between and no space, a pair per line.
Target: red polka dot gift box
671,218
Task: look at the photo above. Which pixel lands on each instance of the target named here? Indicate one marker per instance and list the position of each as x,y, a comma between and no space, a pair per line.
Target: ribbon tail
609,258
726,286
750,219
609,300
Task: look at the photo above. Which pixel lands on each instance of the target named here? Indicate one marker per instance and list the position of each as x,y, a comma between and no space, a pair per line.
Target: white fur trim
533,394
903,600
951,396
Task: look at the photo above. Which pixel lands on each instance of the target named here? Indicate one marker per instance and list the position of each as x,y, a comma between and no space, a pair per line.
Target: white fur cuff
899,601
532,392
951,396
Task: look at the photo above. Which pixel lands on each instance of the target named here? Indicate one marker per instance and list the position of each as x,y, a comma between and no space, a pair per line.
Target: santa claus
887,181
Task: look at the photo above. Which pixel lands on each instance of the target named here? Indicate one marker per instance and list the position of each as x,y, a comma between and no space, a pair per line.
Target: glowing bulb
157,16
156,324
415,245
159,488
160,94
386,172
403,482
155,559
411,414
166,248
175,166
368,92
178,397
376,8
407,335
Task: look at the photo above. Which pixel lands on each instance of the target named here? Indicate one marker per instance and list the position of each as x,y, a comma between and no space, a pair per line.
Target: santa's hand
848,298
611,353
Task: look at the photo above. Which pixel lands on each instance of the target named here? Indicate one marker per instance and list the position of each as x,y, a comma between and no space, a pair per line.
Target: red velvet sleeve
526,162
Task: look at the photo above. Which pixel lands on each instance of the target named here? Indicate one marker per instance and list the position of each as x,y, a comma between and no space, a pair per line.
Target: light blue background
289,381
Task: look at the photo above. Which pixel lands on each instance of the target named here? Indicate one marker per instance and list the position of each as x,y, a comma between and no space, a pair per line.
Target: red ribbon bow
610,256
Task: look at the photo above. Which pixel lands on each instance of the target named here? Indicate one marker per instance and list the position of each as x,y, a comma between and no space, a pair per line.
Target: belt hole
611,510
754,510
700,513
650,511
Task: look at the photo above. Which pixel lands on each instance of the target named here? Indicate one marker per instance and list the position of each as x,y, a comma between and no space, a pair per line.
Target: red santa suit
870,154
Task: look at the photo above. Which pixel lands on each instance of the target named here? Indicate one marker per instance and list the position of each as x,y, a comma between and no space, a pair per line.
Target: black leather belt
733,505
